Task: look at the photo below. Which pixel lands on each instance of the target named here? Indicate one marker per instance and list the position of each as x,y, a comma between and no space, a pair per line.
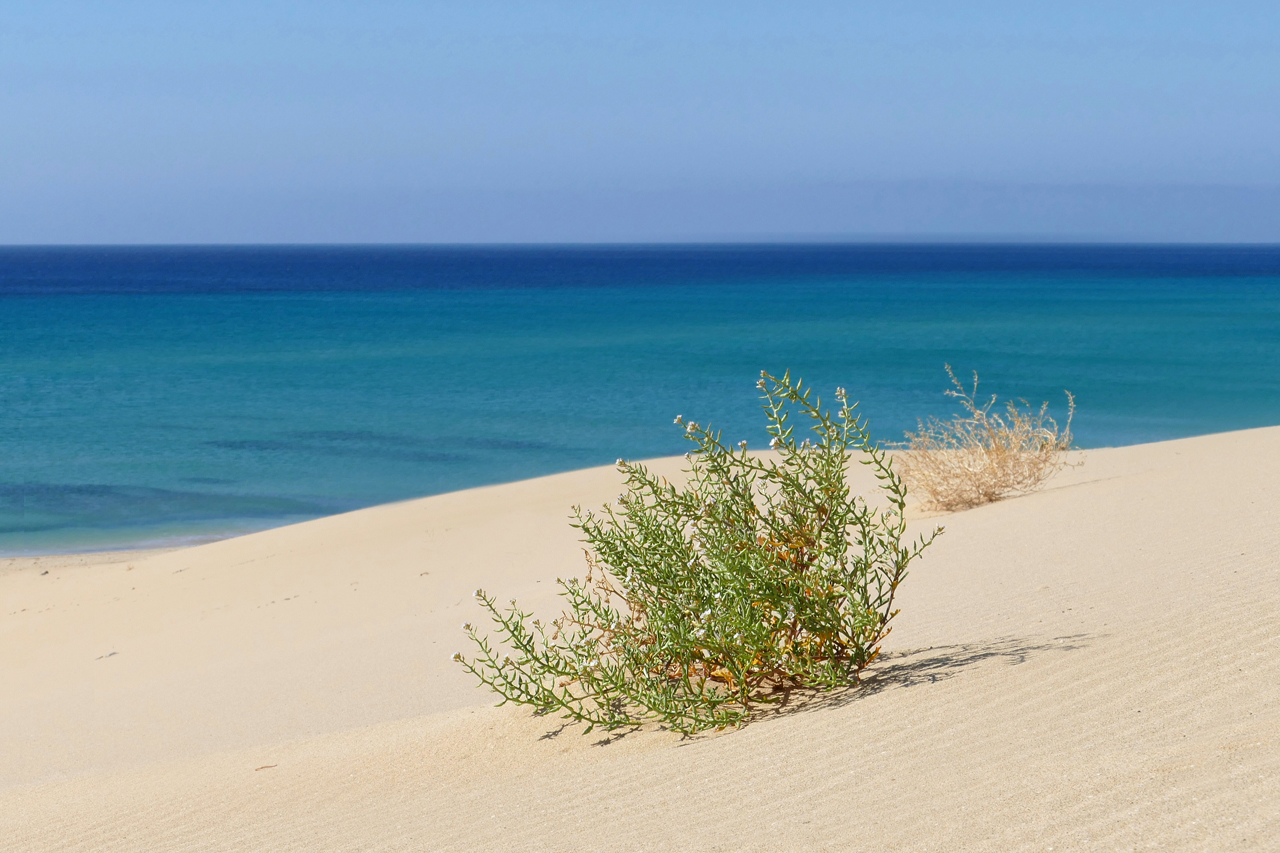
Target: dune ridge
1094,666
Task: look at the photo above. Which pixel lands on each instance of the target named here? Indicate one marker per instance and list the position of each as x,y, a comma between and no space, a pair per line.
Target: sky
476,121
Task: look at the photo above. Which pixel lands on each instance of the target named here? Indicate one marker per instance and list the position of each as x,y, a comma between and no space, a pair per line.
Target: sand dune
1093,667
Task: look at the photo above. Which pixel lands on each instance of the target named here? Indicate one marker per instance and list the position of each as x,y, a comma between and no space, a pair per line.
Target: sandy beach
1092,667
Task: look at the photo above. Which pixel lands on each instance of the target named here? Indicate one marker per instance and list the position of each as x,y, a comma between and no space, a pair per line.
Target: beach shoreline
73,559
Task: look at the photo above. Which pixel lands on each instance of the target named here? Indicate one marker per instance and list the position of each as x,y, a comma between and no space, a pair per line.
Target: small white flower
466,626
479,593
679,419
457,656
513,602
775,442
841,393
621,461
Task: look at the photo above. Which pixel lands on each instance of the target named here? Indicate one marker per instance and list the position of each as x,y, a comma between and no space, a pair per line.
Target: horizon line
884,241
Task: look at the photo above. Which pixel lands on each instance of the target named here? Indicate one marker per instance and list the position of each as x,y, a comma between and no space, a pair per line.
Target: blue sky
477,121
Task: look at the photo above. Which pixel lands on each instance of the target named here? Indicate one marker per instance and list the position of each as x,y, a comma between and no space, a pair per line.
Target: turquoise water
159,395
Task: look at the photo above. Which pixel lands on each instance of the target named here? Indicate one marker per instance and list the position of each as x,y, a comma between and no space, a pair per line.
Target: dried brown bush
981,456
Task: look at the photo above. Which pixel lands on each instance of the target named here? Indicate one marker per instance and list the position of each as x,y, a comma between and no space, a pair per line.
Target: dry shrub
982,456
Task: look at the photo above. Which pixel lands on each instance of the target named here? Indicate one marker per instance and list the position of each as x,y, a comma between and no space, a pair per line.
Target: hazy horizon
291,123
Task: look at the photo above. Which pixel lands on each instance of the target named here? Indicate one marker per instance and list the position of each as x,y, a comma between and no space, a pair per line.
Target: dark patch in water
359,436
32,507
385,439
250,444
337,448
504,444
376,445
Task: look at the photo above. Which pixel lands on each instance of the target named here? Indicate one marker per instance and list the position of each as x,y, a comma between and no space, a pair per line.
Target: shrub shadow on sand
917,667
896,670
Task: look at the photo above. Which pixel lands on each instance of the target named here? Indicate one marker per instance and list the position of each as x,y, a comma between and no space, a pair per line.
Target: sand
1092,667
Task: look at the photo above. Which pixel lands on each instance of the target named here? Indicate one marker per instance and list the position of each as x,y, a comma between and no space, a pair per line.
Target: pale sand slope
1094,667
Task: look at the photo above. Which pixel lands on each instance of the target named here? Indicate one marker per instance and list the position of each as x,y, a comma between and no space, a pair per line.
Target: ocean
161,395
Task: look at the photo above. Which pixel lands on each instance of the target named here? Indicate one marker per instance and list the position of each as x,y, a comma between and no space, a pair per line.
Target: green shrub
761,575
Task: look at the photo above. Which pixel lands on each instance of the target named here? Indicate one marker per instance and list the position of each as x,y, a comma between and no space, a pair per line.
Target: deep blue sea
152,395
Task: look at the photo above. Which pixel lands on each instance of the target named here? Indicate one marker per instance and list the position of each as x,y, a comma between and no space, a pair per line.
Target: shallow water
171,394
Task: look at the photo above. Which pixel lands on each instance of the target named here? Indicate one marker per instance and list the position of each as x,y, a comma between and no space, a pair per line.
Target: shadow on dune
894,670
917,667
937,663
